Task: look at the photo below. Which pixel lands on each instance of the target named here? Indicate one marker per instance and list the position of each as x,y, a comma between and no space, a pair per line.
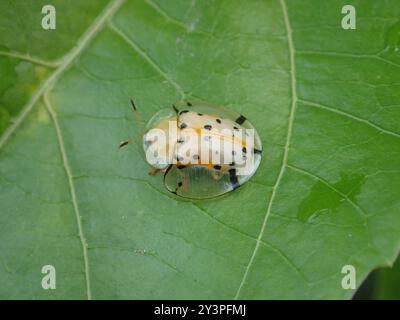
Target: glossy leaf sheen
324,100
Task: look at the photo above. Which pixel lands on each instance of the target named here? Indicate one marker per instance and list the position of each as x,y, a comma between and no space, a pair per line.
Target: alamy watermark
349,20
49,280
349,280
49,18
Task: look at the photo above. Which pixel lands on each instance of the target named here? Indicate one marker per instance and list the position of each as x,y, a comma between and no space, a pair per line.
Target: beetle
203,150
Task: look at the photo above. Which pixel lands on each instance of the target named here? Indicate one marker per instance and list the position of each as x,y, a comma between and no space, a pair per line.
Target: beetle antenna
136,112
175,109
133,105
125,143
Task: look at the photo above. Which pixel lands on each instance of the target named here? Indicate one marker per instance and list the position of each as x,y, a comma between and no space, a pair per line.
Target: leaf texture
324,100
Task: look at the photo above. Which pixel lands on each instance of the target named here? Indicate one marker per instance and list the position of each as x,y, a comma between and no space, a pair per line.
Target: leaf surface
323,99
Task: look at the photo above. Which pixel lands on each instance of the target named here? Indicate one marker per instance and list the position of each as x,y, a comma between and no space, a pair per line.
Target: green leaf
326,104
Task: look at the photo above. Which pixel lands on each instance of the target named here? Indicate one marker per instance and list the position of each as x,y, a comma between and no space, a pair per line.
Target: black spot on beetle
234,179
218,120
196,157
183,111
217,167
208,127
149,142
235,128
244,149
257,151
241,119
189,104
199,114
183,126
180,184
180,140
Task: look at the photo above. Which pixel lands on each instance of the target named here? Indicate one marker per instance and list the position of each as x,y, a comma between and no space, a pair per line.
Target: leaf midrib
287,144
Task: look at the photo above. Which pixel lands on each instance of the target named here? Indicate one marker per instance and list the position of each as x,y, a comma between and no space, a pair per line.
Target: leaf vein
146,56
30,59
68,172
171,19
223,224
287,144
65,63
288,260
349,55
349,115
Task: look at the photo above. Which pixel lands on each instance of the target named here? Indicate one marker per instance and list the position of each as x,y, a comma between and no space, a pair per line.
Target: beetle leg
185,183
153,171
216,175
